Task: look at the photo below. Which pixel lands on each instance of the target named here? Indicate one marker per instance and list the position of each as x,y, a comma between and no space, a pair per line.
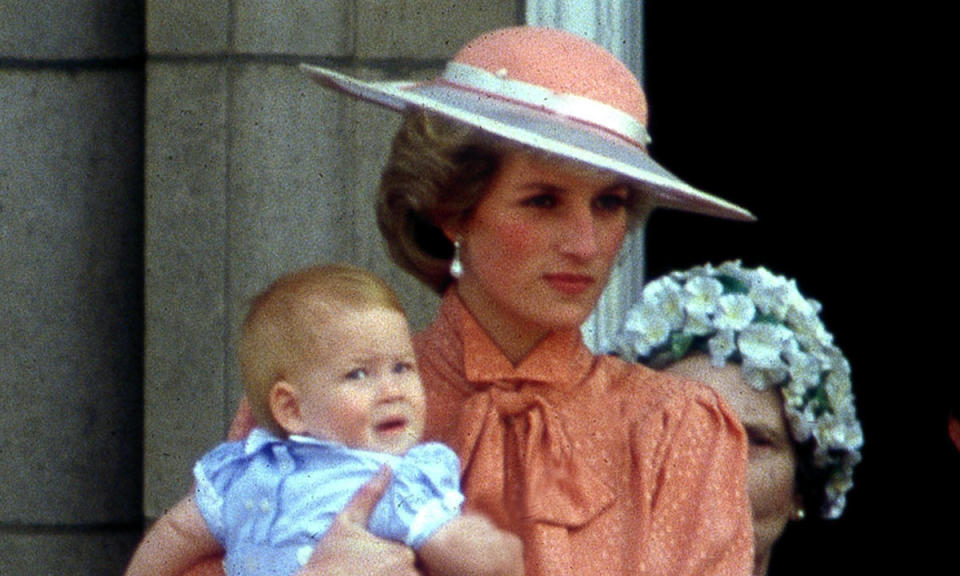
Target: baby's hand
471,545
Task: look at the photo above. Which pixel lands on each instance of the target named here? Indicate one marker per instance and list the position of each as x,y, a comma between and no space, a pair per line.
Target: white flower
698,324
800,428
702,294
733,269
761,345
721,346
793,394
644,329
734,312
665,297
804,369
771,294
838,389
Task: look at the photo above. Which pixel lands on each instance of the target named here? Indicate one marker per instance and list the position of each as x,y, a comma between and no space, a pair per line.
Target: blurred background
161,161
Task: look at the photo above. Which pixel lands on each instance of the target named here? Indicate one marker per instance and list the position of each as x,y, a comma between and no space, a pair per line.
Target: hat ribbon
579,108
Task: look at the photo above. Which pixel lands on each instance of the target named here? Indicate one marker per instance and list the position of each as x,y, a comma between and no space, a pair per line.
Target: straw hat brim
539,129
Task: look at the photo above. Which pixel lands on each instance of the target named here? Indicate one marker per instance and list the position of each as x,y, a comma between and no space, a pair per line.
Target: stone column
71,99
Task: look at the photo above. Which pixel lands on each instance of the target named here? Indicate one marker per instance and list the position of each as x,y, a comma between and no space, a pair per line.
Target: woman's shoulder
649,391
663,410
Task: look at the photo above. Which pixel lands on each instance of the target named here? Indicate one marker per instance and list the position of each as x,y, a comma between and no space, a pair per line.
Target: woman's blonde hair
284,321
437,172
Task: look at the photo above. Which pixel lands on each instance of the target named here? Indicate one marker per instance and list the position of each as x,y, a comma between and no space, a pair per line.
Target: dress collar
559,360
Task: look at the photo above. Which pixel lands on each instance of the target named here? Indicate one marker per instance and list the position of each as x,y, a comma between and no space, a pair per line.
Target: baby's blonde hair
284,322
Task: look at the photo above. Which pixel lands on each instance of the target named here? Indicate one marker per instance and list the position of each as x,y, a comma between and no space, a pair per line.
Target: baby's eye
403,367
356,374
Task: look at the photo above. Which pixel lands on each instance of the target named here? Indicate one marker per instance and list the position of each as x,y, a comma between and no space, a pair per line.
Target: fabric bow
523,462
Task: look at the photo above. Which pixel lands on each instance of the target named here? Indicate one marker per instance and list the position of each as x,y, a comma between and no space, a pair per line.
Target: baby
329,370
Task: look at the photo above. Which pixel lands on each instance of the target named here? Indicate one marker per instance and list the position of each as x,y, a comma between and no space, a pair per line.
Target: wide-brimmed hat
551,90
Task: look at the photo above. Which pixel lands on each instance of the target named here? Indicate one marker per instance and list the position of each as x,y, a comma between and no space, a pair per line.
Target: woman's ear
285,407
454,227
450,231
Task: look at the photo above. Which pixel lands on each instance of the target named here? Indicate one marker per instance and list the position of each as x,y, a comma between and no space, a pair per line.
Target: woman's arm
177,541
470,545
700,518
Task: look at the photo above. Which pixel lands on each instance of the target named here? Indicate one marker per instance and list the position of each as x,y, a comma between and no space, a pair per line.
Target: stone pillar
71,99
251,171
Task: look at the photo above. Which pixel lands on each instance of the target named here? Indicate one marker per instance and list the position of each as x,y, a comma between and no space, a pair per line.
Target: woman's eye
610,202
403,367
356,374
759,439
541,201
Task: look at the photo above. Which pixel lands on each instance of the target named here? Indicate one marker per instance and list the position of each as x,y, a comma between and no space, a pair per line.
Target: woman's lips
571,284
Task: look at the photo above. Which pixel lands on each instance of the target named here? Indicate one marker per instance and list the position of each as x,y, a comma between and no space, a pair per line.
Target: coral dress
601,466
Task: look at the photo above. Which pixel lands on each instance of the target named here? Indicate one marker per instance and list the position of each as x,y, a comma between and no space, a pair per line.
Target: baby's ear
285,407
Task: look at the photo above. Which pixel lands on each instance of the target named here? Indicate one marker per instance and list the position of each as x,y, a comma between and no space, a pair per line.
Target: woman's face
772,462
538,248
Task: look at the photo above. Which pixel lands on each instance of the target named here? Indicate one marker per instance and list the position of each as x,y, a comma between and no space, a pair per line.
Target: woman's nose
579,235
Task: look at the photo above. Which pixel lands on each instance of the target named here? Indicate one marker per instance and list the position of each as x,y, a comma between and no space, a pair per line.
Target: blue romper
268,500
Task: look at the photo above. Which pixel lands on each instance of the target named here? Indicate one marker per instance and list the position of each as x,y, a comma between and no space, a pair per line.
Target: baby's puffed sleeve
693,458
213,474
423,496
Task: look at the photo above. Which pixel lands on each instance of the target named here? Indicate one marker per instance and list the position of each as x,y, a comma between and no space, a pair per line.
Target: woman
754,338
509,190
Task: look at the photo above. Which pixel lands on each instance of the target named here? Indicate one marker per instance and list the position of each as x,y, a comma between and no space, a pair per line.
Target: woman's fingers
361,506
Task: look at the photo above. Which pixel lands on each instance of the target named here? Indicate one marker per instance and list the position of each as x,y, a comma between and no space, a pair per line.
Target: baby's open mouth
390,425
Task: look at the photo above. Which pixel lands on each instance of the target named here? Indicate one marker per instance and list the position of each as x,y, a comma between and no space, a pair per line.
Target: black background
814,119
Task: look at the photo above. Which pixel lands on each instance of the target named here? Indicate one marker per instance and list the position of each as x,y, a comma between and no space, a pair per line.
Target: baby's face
363,389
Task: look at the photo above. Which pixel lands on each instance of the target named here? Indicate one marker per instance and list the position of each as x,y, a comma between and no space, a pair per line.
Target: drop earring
456,266
799,513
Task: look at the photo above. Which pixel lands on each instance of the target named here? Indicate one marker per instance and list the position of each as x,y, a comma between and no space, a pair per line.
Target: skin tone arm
180,539
177,541
471,545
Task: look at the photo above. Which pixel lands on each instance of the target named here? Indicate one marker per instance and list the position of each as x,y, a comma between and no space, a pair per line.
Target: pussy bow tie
523,462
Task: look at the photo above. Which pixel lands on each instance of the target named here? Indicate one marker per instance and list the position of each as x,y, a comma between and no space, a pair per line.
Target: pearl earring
799,513
456,266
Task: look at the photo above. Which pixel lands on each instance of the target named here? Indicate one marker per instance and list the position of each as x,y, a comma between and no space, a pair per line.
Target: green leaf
680,343
732,286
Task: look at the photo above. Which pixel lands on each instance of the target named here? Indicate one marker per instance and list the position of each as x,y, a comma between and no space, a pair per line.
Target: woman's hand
349,549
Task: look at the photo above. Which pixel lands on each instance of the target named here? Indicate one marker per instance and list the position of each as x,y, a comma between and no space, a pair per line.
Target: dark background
814,120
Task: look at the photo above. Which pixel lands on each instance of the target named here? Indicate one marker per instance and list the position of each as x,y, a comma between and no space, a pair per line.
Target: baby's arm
175,542
471,545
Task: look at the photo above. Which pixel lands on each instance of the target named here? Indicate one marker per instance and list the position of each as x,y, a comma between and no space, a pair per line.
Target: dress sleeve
692,457
423,496
213,474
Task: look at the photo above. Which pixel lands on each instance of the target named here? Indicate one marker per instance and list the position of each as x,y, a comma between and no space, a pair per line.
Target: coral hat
551,90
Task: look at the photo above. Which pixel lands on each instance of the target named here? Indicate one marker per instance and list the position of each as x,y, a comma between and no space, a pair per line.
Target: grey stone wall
71,179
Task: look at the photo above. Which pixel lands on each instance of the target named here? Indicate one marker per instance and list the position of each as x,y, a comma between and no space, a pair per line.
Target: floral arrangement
761,321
